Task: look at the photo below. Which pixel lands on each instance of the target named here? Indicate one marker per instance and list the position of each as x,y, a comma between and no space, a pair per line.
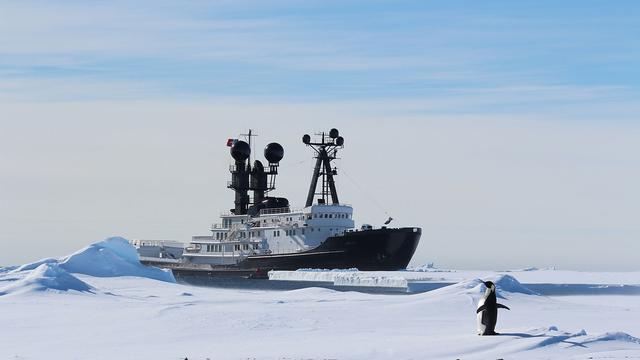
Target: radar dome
274,153
240,151
306,139
340,141
334,133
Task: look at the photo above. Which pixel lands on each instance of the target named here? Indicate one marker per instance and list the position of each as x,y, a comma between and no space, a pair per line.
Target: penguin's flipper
502,306
481,308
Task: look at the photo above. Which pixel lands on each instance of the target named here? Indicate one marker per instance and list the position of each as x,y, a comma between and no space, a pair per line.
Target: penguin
487,311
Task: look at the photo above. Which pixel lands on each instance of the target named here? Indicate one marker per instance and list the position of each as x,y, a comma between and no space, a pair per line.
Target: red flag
230,142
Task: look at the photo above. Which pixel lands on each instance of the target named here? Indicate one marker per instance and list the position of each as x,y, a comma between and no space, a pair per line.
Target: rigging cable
365,193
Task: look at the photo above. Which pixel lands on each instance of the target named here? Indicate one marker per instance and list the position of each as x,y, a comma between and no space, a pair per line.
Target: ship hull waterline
366,250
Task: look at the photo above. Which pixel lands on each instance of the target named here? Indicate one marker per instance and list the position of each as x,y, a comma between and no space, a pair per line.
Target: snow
52,312
419,279
348,277
111,257
47,276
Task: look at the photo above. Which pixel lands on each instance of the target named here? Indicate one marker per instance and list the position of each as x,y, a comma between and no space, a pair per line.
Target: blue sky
504,128
529,52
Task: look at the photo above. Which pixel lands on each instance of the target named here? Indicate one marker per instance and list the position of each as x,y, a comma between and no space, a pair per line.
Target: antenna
248,137
326,151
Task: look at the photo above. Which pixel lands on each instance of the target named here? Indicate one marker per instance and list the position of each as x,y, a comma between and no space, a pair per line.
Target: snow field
47,313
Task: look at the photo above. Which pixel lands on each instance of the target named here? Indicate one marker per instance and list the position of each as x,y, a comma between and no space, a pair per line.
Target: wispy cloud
482,55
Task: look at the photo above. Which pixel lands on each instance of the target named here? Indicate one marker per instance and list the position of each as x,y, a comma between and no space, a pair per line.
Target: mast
326,151
245,176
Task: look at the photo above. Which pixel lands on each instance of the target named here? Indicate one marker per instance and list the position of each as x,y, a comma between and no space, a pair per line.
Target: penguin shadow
547,339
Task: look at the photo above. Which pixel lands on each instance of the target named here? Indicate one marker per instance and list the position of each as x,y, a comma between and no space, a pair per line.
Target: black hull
367,250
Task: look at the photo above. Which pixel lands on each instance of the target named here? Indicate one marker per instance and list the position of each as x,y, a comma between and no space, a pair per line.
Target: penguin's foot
489,333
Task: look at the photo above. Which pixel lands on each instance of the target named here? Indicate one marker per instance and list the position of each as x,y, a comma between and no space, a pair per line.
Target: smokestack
258,182
240,152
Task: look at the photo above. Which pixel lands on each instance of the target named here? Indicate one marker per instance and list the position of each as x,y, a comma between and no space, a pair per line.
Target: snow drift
504,284
33,265
47,276
111,257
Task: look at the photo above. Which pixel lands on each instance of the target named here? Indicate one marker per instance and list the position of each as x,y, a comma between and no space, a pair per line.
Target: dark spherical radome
240,151
340,141
274,152
306,139
334,133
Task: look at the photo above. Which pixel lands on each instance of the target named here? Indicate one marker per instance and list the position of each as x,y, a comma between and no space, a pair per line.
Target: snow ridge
47,276
111,257
505,284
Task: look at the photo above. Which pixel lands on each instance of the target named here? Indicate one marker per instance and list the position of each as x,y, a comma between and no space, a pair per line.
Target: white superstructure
273,231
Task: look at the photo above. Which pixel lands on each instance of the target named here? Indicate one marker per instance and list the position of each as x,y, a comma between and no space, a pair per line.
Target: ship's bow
379,249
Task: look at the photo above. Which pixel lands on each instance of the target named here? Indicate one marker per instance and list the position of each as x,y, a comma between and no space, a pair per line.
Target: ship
263,232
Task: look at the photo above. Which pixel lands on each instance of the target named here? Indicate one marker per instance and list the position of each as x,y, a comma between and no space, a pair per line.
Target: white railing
158,243
340,204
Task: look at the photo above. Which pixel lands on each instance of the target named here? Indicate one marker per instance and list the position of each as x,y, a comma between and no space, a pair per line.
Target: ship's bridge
330,215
